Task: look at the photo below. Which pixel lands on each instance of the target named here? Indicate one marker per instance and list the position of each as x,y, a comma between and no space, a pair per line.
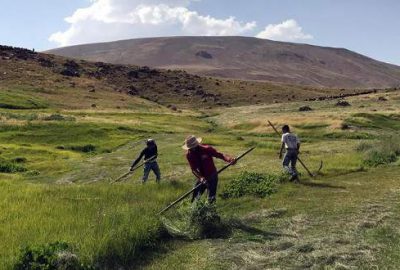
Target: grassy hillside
59,155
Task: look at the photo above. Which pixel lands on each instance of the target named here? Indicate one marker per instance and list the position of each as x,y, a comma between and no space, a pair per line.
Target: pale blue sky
370,27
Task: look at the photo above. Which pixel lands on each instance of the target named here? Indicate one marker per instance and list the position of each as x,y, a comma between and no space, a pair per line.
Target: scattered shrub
10,167
19,160
33,173
88,148
343,103
305,109
382,152
239,138
311,126
344,126
52,256
255,184
124,128
58,117
382,98
376,158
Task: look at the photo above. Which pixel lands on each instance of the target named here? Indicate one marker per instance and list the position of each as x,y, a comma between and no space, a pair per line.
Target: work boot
296,179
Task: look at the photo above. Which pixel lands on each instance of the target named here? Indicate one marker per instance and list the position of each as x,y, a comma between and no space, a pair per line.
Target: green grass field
68,156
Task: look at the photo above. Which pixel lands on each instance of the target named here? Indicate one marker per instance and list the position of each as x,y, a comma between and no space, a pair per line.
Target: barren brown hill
247,59
58,80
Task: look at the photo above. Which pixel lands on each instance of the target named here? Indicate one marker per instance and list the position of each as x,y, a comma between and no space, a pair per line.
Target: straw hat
191,142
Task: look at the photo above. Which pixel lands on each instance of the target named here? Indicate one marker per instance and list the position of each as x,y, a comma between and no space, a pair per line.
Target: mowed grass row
332,209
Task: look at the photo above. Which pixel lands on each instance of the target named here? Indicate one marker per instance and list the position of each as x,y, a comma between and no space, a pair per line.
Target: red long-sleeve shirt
201,160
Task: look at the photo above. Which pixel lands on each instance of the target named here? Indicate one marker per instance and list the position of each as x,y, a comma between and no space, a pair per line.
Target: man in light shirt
292,145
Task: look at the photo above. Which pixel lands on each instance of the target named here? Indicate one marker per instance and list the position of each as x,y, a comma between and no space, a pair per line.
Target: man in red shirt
200,158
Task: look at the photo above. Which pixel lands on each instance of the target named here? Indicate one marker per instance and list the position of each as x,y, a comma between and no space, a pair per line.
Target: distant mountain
247,59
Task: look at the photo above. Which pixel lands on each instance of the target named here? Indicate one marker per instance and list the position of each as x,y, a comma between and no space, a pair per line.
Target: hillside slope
58,79
247,59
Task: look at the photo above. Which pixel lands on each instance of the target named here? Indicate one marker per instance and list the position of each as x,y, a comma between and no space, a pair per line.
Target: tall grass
10,167
250,183
12,100
107,225
380,152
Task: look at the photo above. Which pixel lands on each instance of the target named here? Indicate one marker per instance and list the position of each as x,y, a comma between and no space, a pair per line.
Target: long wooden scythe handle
301,162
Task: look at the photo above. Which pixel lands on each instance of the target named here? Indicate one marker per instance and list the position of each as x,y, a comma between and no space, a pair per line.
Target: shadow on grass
239,225
168,243
320,185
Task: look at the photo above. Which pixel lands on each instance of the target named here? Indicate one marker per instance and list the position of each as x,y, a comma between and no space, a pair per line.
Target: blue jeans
151,166
289,161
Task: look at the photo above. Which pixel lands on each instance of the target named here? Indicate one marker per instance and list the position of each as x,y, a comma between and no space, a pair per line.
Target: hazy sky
370,27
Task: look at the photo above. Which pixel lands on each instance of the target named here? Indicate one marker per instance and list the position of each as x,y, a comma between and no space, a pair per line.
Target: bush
19,160
88,148
376,158
255,184
10,167
58,117
52,256
382,152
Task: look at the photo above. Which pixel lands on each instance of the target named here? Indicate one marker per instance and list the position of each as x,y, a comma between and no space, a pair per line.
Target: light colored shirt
290,140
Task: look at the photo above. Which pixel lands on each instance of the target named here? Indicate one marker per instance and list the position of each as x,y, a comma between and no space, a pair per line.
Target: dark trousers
151,166
211,186
290,160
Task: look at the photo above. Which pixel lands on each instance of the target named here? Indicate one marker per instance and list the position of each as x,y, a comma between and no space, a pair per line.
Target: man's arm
281,151
156,154
137,160
213,152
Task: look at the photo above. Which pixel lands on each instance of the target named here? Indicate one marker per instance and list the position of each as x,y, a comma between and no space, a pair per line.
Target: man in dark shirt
200,158
150,154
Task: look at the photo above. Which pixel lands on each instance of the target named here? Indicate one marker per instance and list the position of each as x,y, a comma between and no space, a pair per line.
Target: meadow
60,159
